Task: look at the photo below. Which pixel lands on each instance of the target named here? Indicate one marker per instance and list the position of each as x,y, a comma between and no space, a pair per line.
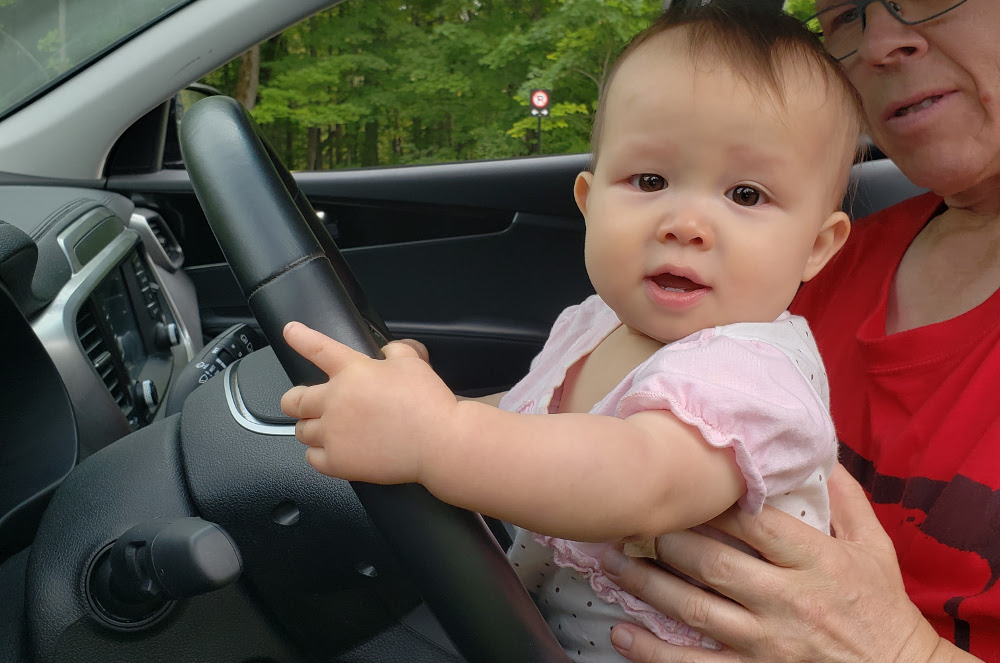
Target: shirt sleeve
744,394
557,333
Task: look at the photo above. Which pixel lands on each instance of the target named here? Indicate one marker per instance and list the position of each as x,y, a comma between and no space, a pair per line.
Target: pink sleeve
556,334
746,395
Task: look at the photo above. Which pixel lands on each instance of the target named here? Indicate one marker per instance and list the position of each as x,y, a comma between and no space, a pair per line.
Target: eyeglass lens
843,24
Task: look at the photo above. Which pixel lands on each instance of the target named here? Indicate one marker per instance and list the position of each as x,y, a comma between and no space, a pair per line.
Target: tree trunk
397,138
289,144
370,155
338,145
417,134
312,149
246,83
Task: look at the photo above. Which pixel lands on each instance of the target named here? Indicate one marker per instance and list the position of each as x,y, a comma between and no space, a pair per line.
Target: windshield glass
44,41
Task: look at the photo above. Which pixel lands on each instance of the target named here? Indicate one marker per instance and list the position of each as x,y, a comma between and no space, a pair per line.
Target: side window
380,83
383,83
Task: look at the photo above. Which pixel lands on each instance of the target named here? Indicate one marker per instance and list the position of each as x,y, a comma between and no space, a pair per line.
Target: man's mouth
926,103
674,283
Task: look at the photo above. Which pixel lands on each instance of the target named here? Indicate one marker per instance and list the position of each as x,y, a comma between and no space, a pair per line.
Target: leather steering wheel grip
287,273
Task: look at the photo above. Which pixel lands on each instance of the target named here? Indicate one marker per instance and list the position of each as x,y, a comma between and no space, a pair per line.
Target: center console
128,333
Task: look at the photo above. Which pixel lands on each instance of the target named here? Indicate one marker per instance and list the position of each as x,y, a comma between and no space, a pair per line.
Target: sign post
540,106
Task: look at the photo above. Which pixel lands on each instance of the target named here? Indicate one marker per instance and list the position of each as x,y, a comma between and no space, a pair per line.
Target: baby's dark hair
754,40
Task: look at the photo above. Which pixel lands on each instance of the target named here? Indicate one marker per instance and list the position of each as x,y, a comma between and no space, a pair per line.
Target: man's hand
373,420
812,597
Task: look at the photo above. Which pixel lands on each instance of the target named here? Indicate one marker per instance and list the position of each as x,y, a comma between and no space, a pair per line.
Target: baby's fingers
310,432
404,348
316,456
327,354
304,402
291,402
417,346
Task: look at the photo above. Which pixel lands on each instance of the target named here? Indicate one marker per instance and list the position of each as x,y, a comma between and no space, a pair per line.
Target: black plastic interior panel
537,184
543,185
376,223
282,514
137,478
483,305
260,389
18,257
40,444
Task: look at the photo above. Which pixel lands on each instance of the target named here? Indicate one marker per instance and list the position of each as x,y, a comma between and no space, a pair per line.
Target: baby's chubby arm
576,476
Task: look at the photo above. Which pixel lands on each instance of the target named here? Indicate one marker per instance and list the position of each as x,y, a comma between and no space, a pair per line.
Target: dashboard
113,329
127,334
102,319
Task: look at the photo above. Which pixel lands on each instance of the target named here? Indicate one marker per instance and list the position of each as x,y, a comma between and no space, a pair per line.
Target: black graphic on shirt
961,514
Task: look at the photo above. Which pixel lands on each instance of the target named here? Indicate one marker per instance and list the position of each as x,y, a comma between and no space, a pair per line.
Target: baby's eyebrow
758,156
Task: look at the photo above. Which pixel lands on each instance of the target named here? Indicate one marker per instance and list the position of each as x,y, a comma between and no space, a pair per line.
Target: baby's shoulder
591,316
744,345
788,333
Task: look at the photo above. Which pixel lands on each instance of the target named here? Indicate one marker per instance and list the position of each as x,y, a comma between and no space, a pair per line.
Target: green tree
800,9
380,82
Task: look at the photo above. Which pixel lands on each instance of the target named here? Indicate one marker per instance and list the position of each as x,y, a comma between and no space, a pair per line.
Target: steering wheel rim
290,269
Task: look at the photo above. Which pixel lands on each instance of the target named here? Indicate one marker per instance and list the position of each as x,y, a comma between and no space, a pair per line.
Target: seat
876,185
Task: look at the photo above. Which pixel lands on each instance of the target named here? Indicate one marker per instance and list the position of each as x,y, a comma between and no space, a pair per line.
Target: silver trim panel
241,415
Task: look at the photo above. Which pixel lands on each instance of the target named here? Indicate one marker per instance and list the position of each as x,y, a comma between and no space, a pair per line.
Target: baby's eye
745,195
648,182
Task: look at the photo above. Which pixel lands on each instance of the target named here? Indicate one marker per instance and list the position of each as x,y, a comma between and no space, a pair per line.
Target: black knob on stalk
158,562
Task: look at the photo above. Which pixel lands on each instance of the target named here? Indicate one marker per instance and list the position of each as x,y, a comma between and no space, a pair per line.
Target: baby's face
707,205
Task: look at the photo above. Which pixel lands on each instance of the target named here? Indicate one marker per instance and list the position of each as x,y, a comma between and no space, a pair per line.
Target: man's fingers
733,573
851,515
639,645
327,354
713,615
780,538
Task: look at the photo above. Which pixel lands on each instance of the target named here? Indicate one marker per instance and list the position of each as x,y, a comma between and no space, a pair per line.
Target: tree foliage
379,82
383,82
800,9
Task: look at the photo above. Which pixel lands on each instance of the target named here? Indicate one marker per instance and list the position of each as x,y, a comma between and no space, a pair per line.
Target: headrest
876,185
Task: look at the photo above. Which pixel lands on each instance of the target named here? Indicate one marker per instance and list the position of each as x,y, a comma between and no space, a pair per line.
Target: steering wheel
317,579
290,269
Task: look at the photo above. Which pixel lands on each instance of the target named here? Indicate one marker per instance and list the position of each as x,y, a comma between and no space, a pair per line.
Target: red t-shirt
918,419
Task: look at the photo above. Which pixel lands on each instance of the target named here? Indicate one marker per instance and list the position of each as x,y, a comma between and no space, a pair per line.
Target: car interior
150,254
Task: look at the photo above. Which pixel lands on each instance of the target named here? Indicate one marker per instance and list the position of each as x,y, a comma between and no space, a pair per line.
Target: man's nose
886,39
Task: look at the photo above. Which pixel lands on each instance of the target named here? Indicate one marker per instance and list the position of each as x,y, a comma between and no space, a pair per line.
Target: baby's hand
374,420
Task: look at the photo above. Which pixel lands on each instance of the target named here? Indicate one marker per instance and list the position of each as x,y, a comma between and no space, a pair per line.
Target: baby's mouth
926,103
674,283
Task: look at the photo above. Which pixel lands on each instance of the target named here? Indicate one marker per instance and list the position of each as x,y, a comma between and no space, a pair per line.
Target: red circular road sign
540,98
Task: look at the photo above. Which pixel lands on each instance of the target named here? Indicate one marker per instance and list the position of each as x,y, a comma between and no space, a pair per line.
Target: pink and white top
759,388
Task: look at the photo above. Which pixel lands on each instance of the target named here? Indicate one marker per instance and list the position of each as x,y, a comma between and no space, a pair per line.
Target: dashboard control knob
167,335
146,390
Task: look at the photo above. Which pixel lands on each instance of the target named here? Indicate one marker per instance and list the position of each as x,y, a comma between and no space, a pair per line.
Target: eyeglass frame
862,6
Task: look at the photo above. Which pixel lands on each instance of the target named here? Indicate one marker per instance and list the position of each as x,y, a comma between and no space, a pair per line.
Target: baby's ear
831,237
581,189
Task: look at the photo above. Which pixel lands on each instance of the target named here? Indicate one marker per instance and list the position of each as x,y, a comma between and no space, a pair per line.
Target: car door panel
475,260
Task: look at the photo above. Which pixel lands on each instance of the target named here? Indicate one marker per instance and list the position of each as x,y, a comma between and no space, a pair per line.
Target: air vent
160,243
96,348
164,237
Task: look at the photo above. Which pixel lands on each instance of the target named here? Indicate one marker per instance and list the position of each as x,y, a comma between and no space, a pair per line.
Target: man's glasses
843,24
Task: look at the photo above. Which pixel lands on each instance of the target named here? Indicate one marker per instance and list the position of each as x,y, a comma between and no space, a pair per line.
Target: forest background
386,82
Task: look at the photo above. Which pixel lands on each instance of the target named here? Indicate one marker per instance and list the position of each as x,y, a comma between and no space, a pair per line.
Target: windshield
45,41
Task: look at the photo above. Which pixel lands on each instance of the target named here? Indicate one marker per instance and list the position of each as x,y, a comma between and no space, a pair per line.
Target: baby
722,147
